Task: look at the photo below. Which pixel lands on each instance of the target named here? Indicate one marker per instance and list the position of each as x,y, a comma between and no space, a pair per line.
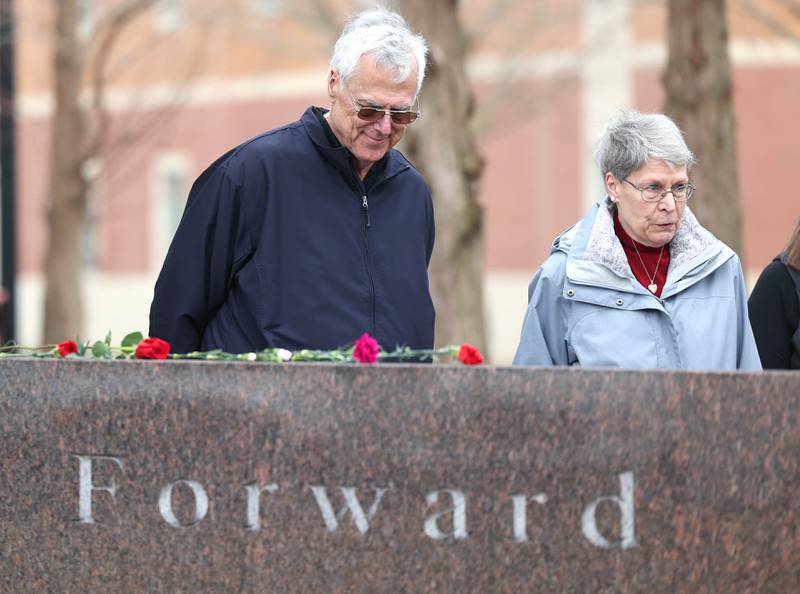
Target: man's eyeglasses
373,114
399,116
656,193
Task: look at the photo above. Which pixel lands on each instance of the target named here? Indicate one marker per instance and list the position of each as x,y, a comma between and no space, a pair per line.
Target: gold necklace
653,287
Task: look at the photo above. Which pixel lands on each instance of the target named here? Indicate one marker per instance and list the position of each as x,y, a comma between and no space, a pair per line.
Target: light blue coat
586,308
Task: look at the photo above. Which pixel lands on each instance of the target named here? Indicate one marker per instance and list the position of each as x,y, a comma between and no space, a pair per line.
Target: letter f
85,486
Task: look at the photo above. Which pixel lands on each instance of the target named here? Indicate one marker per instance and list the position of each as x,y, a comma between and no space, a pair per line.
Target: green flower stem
51,350
404,353
337,356
14,351
271,355
28,349
206,356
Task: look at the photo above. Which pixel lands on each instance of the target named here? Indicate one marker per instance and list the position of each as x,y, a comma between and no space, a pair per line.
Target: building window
171,181
170,15
84,18
268,7
91,171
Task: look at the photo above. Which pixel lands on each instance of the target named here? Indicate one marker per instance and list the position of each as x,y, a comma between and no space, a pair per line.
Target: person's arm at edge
431,226
767,309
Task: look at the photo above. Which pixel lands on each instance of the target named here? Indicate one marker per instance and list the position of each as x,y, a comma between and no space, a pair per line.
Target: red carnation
469,355
152,348
366,350
67,347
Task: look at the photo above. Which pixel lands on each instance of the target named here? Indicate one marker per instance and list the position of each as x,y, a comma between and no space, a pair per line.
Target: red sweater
645,265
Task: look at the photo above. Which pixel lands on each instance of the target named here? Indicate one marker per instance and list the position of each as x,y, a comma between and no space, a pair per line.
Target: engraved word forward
447,524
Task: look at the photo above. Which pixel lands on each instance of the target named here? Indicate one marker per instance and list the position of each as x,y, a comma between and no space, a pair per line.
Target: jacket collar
596,256
340,157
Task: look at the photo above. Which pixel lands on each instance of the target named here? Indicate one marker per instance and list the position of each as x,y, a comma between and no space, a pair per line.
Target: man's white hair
385,35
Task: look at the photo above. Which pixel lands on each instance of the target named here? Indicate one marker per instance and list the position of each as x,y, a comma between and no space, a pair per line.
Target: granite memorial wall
195,476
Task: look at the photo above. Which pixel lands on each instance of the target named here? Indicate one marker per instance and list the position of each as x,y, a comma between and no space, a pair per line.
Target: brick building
192,78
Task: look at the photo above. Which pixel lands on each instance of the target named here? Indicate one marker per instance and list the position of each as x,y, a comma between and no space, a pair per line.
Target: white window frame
91,171
169,15
268,8
85,17
165,214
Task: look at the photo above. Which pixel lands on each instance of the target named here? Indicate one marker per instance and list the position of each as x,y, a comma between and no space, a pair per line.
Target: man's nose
384,123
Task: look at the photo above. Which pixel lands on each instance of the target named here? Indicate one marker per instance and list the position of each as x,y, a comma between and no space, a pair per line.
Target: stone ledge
195,476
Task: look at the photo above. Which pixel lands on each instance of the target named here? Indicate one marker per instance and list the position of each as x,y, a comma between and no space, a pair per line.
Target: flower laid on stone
364,349
133,346
152,348
67,347
469,355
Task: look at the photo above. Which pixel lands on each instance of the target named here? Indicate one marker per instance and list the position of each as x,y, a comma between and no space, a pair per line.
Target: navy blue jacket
282,245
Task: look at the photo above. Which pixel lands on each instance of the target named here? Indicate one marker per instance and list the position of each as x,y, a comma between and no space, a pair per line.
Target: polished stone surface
414,478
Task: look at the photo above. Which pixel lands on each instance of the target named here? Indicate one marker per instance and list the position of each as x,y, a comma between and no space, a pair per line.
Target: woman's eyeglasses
656,193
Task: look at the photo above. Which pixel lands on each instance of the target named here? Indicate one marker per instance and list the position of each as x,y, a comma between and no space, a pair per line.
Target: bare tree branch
772,21
793,6
109,30
320,15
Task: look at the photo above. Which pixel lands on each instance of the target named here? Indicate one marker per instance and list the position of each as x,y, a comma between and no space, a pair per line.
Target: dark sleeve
211,242
773,308
431,226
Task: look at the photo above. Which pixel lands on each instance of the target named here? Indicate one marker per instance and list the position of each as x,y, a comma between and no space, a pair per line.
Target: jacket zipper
367,225
365,204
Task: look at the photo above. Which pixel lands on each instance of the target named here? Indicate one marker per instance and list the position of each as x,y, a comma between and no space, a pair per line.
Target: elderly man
318,231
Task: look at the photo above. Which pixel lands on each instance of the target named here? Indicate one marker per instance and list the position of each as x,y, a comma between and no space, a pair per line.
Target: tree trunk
442,146
63,312
698,87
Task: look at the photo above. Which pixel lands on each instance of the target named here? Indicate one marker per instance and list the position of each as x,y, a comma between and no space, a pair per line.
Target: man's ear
333,83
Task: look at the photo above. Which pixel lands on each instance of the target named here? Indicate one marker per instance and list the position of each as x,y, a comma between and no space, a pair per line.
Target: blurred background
109,109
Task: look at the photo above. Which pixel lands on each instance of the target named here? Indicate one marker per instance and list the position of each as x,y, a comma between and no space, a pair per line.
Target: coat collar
596,256
340,157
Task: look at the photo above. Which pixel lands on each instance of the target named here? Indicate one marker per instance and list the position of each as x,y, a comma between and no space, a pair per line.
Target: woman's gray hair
386,36
631,138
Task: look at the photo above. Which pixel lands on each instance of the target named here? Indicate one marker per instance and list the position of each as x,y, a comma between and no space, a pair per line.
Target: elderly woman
638,282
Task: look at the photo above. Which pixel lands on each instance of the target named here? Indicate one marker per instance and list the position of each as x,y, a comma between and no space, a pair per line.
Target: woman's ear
612,186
